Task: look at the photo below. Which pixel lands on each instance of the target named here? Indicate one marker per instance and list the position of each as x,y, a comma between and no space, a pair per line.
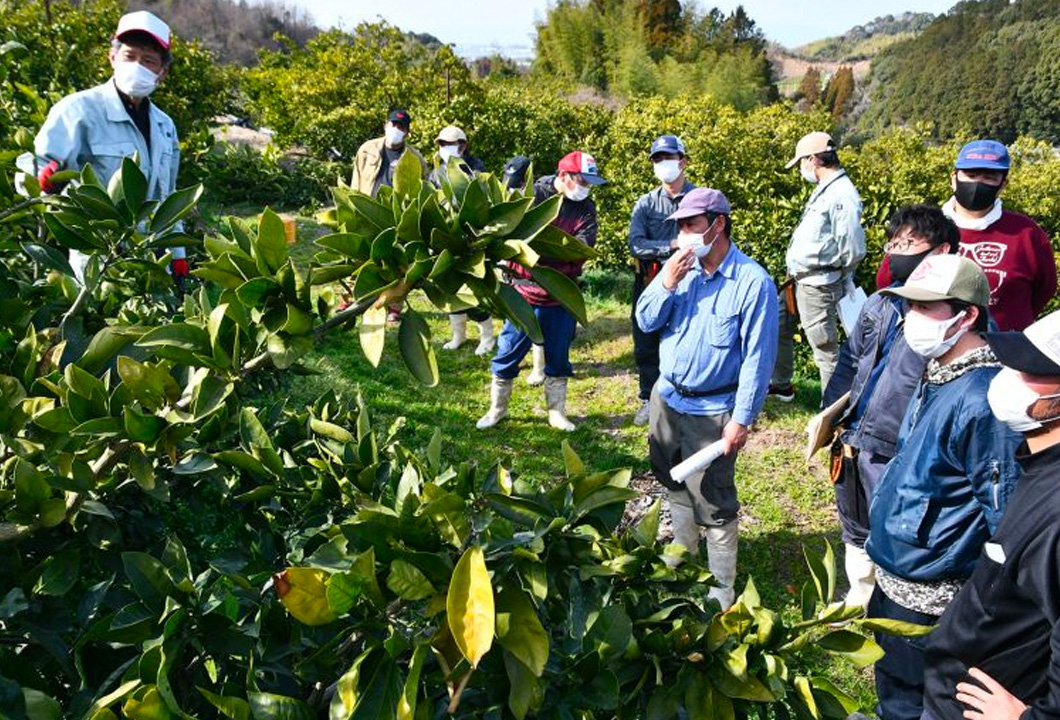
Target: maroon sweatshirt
575,218
1017,258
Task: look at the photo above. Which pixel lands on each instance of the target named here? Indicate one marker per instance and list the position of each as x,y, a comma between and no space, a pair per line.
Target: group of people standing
944,396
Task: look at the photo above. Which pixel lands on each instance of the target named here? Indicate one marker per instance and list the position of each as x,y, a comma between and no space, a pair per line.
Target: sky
510,23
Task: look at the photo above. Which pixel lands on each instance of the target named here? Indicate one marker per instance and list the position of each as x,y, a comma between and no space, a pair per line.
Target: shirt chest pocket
723,330
105,157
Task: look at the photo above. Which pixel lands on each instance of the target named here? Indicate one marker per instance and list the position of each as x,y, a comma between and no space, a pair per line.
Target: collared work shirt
828,242
717,331
650,233
92,127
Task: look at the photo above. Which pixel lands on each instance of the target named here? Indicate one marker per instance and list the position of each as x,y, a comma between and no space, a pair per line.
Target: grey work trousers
819,314
673,437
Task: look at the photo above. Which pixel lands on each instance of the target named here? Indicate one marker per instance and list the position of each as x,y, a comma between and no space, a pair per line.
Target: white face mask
927,337
448,152
696,241
1010,400
807,174
579,193
395,136
668,170
134,79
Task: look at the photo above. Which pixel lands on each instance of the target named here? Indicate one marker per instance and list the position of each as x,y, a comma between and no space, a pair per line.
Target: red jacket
1018,260
577,219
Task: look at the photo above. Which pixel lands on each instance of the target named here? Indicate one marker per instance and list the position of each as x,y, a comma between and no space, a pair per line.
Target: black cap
400,117
1015,350
515,171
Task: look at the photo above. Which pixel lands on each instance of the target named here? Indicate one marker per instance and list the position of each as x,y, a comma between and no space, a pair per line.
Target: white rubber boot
721,560
537,375
643,414
500,394
487,341
459,325
686,532
556,400
861,573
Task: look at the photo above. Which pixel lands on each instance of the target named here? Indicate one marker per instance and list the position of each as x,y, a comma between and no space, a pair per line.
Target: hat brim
1015,350
980,165
918,294
791,163
682,213
593,179
162,43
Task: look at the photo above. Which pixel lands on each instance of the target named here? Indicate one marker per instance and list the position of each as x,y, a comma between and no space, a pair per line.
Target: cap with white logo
945,277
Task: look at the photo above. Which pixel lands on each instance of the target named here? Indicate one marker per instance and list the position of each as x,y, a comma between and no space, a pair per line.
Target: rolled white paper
698,462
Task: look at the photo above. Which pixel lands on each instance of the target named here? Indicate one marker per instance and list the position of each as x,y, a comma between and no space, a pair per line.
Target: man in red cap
575,175
102,126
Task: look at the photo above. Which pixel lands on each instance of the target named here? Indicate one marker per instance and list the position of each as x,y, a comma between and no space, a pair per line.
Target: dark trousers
853,494
899,673
645,345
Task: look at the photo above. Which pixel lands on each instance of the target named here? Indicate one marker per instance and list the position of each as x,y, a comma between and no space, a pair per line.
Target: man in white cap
102,126
996,652
825,250
452,149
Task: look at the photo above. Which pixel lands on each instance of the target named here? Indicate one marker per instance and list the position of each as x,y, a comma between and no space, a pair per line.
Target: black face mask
902,266
975,196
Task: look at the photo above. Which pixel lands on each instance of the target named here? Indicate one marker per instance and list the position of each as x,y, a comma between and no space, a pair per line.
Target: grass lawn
787,502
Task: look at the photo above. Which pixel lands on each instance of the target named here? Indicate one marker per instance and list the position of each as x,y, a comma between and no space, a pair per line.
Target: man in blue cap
652,239
716,312
1013,251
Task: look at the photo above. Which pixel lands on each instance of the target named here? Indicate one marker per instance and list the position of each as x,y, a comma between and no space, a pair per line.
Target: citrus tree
174,546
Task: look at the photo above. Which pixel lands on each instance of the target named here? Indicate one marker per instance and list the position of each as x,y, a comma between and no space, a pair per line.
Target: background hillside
989,67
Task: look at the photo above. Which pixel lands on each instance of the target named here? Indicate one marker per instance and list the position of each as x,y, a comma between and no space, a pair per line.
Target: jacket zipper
995,475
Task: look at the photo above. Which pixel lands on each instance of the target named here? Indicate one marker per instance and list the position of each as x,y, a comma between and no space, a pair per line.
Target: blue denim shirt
650,233
717,330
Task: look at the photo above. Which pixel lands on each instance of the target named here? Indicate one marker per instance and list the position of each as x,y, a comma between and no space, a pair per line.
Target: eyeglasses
902,243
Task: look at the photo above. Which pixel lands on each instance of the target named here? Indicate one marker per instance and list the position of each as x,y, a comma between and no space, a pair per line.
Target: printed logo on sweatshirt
988,255
985,254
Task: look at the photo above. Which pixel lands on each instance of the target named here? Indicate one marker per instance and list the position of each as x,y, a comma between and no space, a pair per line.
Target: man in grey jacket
824,252
652,239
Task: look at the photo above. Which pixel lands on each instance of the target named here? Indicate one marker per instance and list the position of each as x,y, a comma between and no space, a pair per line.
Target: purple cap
701,201
982,155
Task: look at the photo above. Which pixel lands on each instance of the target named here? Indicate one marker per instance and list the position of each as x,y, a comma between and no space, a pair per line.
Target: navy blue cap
982,155
667,144
515,171
400,117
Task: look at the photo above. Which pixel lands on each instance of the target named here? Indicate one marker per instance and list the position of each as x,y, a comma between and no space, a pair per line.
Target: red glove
179,268
44,178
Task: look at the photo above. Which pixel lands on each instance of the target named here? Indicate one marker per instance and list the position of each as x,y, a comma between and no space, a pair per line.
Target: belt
689,392
816,271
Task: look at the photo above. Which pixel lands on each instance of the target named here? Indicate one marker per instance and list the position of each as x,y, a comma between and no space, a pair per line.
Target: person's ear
111,55
162,73
1004,183
971,316
683,162
953,180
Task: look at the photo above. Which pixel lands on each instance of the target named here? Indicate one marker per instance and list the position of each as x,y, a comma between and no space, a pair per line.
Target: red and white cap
583,164
143,21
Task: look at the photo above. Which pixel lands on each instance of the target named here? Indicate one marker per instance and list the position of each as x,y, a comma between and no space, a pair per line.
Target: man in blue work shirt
652,239
716,311
106,124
